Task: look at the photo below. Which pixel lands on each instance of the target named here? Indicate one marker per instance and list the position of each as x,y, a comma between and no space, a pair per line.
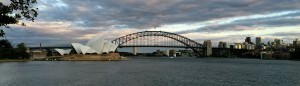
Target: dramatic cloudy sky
61,22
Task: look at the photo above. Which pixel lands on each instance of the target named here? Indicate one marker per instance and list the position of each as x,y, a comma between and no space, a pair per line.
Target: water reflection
151,71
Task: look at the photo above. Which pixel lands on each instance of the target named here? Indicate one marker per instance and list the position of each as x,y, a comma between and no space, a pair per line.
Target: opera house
96,45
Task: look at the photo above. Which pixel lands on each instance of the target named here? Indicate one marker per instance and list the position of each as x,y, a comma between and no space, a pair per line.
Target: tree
21,46
21,51
6,50
15,11
11,14
5,44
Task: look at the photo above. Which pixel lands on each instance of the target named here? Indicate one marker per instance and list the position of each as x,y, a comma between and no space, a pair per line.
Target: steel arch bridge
184,41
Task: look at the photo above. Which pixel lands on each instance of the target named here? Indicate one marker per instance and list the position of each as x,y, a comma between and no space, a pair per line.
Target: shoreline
15,60
107,59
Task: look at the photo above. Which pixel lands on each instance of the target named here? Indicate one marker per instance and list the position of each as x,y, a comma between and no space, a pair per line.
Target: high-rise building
207,48
258,41
220,44
223,45
248,39
258,44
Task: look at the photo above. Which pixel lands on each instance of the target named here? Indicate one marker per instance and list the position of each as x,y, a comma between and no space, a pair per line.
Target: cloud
59,33
231,21
145,14
64,21
287,36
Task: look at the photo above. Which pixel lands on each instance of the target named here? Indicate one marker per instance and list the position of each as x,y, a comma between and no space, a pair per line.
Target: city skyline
61,22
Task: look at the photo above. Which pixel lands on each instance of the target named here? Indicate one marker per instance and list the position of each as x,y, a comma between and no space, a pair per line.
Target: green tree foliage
11,14
8,52
5,44
17,10
21,51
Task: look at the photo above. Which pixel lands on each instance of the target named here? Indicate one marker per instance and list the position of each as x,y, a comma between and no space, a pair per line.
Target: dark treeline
8,52
11,14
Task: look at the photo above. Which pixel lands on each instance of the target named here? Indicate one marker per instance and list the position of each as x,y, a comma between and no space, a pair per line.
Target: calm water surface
153,72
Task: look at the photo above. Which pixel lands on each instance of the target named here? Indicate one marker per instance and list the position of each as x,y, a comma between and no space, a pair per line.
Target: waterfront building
100,48
258,41
243,46
223,45
232,46
63,51
238,46
252,47
248,46
96,45
220,44
264,46
208,48
259,44
166,52
38,53
296,43
172,53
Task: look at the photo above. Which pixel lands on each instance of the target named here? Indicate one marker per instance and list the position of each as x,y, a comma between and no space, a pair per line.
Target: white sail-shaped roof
91,51
87,49
95,45
63,51
77,47
114,47
105,48
110,47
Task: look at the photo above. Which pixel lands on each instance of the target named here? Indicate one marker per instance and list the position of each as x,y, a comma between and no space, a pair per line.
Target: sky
61,22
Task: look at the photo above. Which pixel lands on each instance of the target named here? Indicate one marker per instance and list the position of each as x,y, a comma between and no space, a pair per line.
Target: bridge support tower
207,48
134,50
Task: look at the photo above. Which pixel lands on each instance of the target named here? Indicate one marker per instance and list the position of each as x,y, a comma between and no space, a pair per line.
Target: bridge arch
195,46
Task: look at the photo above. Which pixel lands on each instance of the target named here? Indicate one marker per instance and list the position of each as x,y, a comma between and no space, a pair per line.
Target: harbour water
148,49
154,71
